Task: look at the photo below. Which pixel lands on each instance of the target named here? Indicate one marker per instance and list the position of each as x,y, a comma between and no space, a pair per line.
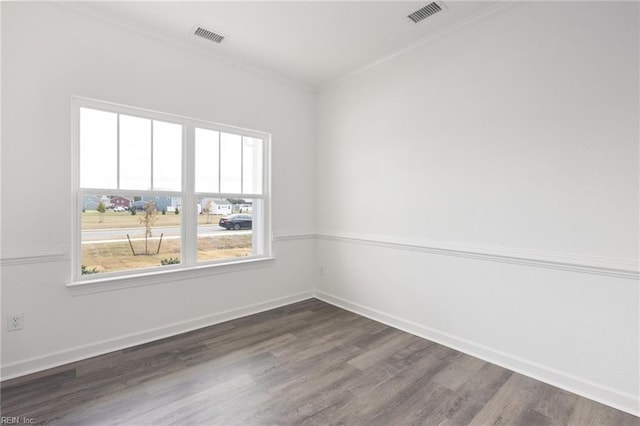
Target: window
156,191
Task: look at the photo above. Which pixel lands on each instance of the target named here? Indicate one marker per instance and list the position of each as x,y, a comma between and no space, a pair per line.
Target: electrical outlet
15,322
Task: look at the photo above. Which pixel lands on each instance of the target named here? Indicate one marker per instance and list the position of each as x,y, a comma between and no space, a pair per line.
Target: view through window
160,191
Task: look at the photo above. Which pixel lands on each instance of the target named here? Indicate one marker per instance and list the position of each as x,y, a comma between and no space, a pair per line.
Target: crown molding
470,20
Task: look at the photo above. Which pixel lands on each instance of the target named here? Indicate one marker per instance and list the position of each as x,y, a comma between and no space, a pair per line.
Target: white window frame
188,210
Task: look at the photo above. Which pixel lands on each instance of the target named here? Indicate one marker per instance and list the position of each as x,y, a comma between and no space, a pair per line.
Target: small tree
101,209
148,219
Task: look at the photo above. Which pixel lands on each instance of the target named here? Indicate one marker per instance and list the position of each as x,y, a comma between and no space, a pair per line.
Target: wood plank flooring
309,363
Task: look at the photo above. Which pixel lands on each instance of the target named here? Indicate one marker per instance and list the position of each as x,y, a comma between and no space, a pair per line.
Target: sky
146,154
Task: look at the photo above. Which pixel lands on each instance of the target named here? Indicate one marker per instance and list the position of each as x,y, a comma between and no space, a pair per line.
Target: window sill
99,285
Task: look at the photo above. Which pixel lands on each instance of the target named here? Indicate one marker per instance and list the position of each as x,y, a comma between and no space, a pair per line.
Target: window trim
189,261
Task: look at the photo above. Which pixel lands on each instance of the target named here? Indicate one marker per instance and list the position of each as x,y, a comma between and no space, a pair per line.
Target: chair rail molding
291,236
11,256
614,267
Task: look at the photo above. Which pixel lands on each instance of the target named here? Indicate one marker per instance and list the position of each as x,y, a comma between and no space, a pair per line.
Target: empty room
320,213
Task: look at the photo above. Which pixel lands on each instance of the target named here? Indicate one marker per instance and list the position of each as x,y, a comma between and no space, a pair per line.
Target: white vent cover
209,35
425,12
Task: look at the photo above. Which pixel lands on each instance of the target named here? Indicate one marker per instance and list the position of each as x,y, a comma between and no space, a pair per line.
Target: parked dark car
236,221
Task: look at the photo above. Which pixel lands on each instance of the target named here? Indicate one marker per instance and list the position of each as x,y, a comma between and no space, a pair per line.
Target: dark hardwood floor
309,363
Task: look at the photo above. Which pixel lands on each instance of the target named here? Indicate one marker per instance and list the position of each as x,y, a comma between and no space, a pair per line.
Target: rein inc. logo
5,420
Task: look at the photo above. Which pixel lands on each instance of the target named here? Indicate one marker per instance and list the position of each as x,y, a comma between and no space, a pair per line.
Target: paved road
100,235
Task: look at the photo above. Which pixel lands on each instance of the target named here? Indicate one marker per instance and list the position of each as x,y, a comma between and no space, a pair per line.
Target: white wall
509,143
51,52
509,152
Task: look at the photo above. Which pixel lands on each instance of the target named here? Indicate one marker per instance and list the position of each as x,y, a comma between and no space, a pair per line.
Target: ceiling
307,42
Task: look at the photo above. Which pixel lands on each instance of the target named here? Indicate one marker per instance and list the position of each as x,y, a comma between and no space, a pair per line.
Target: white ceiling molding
493,9
215,56
309,44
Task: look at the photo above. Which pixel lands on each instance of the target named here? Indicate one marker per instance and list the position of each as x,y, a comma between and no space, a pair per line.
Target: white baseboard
594,391
56,359
611,397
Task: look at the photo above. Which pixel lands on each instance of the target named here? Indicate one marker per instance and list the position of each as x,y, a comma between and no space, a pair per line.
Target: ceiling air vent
425,12
209,35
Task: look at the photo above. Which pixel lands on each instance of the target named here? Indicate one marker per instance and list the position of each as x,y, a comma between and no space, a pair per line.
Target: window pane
167,156
230,163
207,161
225,229
135,153
116,239
130,168
251,165
98,149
